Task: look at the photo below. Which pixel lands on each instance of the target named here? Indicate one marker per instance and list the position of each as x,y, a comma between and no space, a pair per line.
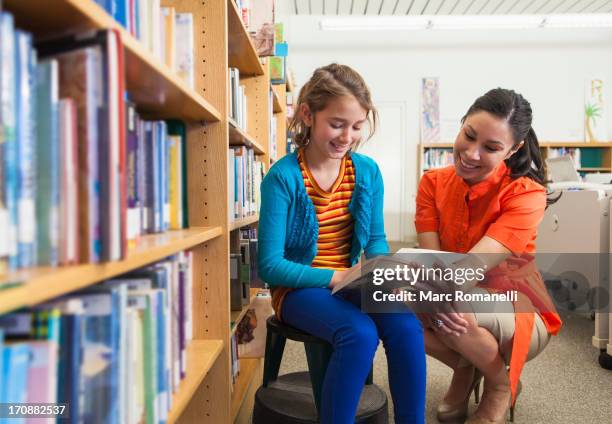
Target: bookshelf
596,157
220,41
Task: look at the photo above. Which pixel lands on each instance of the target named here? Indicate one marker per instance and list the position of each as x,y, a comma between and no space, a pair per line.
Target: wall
548,67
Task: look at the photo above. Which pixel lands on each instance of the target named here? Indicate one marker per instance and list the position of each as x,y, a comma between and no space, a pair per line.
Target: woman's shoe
456,412
475,419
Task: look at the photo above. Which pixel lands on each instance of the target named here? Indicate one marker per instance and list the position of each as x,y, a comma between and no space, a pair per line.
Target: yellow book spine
175,183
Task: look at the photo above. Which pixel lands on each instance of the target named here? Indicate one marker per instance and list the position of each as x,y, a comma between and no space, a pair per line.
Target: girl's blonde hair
329,82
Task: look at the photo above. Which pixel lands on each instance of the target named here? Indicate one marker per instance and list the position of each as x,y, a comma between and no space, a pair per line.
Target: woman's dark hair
512,107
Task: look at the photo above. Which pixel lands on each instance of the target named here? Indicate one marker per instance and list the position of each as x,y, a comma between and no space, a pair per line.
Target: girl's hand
340,276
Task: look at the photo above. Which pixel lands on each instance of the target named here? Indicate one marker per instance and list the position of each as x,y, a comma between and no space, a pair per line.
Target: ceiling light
454,22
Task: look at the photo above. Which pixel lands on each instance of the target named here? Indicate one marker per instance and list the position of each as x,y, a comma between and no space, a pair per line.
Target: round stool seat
289,400
290,332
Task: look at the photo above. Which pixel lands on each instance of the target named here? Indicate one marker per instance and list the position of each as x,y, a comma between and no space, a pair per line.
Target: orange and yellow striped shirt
335,220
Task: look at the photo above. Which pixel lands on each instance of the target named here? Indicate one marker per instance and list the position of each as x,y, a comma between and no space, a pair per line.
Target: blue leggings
354,336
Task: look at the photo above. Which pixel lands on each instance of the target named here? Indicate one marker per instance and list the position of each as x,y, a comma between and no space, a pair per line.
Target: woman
489,204
321,207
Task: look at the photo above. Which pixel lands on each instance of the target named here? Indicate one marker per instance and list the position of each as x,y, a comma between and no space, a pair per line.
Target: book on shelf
166,34
573,153
272,147
116,351
245,177
277,66
237,99
437,158
84,176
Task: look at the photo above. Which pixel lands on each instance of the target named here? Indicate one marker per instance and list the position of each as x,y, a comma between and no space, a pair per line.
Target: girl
321,207
490,202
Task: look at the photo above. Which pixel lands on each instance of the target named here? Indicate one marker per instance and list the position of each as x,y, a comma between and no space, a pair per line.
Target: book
8,146
26,149
68,237
405,257
48,154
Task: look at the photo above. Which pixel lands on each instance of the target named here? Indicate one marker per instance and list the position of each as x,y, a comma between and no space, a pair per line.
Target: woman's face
483,142
335,129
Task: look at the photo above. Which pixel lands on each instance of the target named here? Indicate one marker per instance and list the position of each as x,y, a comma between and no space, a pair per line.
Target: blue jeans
354,336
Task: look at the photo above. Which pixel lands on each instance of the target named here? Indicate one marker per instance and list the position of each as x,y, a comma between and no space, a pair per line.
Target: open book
410,257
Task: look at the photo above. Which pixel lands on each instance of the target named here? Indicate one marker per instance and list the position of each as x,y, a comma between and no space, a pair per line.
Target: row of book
115,353
243,267
237,99
573,153
245,176
437,158
63,119
81,174
167,34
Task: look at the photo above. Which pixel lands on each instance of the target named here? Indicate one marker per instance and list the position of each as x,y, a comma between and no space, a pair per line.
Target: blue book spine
26,61
150,176
159,200
69,367
48,159
16,364
121,12
8,98
94,69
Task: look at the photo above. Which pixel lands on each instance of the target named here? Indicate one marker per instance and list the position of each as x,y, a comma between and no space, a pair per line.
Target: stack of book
245,176
237,99
115,353
168,35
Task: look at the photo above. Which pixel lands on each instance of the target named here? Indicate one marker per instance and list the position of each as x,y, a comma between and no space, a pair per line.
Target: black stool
296,397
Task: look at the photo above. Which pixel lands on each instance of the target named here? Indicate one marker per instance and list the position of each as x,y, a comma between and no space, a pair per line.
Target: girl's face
483,142
335,129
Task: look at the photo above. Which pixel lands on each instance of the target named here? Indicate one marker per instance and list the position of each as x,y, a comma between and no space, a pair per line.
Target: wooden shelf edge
248,368
236,28
45,283
59,17
238,137
236,316
234,225
277,106
201,356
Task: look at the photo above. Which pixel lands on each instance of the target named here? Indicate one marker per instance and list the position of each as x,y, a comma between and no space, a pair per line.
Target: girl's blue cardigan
288,226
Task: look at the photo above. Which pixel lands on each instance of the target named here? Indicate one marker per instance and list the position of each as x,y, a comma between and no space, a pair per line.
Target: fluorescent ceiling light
452,22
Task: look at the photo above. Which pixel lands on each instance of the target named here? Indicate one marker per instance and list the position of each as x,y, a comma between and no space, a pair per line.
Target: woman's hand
446,321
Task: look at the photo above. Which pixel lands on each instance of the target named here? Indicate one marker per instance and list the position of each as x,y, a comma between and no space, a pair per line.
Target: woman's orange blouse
507,210
504,209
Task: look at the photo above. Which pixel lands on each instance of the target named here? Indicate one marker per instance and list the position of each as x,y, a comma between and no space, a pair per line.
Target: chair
296,397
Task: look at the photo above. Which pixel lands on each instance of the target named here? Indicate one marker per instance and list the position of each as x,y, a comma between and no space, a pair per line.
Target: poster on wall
430,110
594,111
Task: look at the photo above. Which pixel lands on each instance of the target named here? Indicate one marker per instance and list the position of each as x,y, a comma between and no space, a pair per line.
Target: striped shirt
335,220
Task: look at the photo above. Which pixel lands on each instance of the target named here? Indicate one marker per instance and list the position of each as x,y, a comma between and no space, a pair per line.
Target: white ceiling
439,7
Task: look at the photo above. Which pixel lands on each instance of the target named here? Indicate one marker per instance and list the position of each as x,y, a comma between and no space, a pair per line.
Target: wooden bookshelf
234,225
604,150
154,87
238,137
249,367
45,283
278,106
201,355
236,316
242,53
220,41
